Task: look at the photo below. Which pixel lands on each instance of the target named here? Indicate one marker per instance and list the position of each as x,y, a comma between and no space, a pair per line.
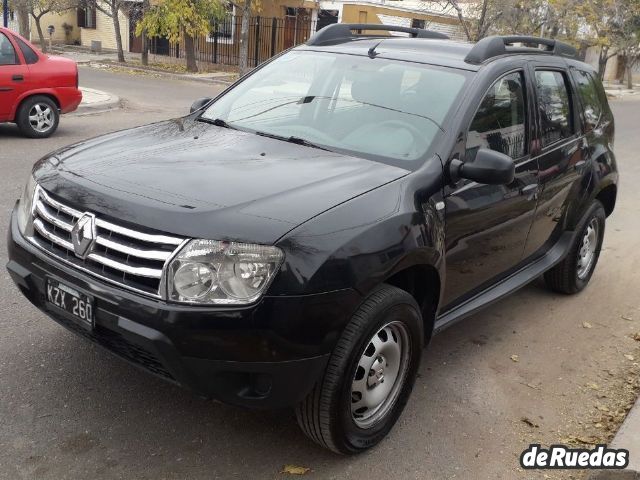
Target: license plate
71,301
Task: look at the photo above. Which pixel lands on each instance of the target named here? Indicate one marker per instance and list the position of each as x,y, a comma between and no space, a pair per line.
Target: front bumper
266,355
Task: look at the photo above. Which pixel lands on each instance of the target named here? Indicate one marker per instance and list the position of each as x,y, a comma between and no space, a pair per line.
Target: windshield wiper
293,139
218,122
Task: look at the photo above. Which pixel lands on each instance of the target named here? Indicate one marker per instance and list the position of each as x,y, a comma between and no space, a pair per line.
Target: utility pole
5,13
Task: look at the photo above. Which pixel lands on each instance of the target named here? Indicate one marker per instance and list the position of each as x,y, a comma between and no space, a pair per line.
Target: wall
105,32
393,14
57,19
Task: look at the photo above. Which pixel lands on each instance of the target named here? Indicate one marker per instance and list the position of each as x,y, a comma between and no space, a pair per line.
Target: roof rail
494,46
340,32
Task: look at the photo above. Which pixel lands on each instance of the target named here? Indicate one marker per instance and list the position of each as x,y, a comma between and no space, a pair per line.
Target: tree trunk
43,44
629,74
145,38
145,48
603,58
190,53
116,26
243,63
23,22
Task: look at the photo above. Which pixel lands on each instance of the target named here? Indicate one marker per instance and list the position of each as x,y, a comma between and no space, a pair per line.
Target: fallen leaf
636,336
626,317
586,325
593,386
529,422
295,470
629,357
515,358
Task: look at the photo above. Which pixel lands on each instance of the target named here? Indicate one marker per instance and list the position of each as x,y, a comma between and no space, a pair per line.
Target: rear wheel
574,272
369,377
38,117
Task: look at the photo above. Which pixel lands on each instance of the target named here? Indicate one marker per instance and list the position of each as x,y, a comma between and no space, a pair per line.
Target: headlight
212,272
26,205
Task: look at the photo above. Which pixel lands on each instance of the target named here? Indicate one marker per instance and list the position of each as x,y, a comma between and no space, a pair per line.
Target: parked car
298,240
35,88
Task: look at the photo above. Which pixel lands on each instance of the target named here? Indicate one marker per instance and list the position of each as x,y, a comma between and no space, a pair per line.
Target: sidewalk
628,437
96,101
618,90
159,64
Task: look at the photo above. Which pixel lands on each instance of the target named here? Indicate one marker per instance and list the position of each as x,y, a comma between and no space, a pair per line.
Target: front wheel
38,117
369,377
574,272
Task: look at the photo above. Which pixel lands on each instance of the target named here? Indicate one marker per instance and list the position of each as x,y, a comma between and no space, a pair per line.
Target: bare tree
243,62
112,9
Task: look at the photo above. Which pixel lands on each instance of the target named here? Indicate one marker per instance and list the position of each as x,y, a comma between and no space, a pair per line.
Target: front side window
500,122
554,105
376,108
590,97
8,54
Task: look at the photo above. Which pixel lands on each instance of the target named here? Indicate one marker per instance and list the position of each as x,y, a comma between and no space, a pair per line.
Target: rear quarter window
590,97
29,55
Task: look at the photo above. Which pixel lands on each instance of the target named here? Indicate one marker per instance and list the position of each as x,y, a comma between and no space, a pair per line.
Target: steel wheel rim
587,250
380,374
41,117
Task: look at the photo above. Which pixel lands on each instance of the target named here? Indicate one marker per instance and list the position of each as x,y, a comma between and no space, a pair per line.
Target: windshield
376,108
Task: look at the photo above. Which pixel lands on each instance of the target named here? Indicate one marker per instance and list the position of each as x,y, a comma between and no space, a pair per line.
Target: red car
35,88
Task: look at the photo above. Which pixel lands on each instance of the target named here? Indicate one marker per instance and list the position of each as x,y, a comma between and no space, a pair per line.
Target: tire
574,272
38,117
328,415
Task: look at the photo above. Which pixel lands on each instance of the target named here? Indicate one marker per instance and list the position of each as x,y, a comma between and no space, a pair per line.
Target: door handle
18,78
530,191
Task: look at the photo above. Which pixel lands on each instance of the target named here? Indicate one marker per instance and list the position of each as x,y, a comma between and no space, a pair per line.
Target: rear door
561,153
13,73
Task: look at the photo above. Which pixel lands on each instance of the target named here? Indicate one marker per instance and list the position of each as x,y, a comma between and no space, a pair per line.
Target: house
404,13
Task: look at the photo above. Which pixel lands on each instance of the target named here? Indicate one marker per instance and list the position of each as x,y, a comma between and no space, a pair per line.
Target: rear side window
554,104
590,97
8,54
500,122
27,52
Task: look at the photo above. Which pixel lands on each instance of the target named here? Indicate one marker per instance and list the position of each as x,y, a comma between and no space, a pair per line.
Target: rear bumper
70,98
265,355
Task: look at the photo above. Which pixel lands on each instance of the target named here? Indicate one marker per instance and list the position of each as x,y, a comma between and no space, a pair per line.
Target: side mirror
198,104
489,167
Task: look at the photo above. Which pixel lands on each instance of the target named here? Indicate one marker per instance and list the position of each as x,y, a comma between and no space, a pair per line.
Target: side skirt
508,285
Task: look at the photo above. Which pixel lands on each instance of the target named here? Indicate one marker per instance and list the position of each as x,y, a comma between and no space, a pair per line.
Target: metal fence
267,37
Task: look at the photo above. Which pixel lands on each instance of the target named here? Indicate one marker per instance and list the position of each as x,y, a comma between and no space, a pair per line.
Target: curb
113,103
175,76
628,437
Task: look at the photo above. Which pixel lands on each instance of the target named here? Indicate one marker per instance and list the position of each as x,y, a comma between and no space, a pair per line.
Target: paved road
68,410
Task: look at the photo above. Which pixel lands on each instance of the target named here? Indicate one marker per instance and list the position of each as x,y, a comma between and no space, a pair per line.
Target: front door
487,225
13,77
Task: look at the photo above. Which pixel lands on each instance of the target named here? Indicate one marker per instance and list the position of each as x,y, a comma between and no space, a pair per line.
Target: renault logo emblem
83,235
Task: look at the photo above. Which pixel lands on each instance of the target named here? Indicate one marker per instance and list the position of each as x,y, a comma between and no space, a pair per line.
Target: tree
112,9
37,9
243,61
189,19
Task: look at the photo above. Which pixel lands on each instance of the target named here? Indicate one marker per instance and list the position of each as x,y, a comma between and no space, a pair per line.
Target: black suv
297,240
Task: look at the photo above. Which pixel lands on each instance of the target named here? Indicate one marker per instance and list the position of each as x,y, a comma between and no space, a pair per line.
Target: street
537,367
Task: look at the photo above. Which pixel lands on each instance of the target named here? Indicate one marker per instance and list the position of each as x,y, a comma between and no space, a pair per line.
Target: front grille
119,345
134,259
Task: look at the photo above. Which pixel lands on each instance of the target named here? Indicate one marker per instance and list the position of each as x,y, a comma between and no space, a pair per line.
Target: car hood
198,180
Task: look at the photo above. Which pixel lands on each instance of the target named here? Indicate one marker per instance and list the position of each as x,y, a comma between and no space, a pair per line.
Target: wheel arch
607,195
422,282
32,94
